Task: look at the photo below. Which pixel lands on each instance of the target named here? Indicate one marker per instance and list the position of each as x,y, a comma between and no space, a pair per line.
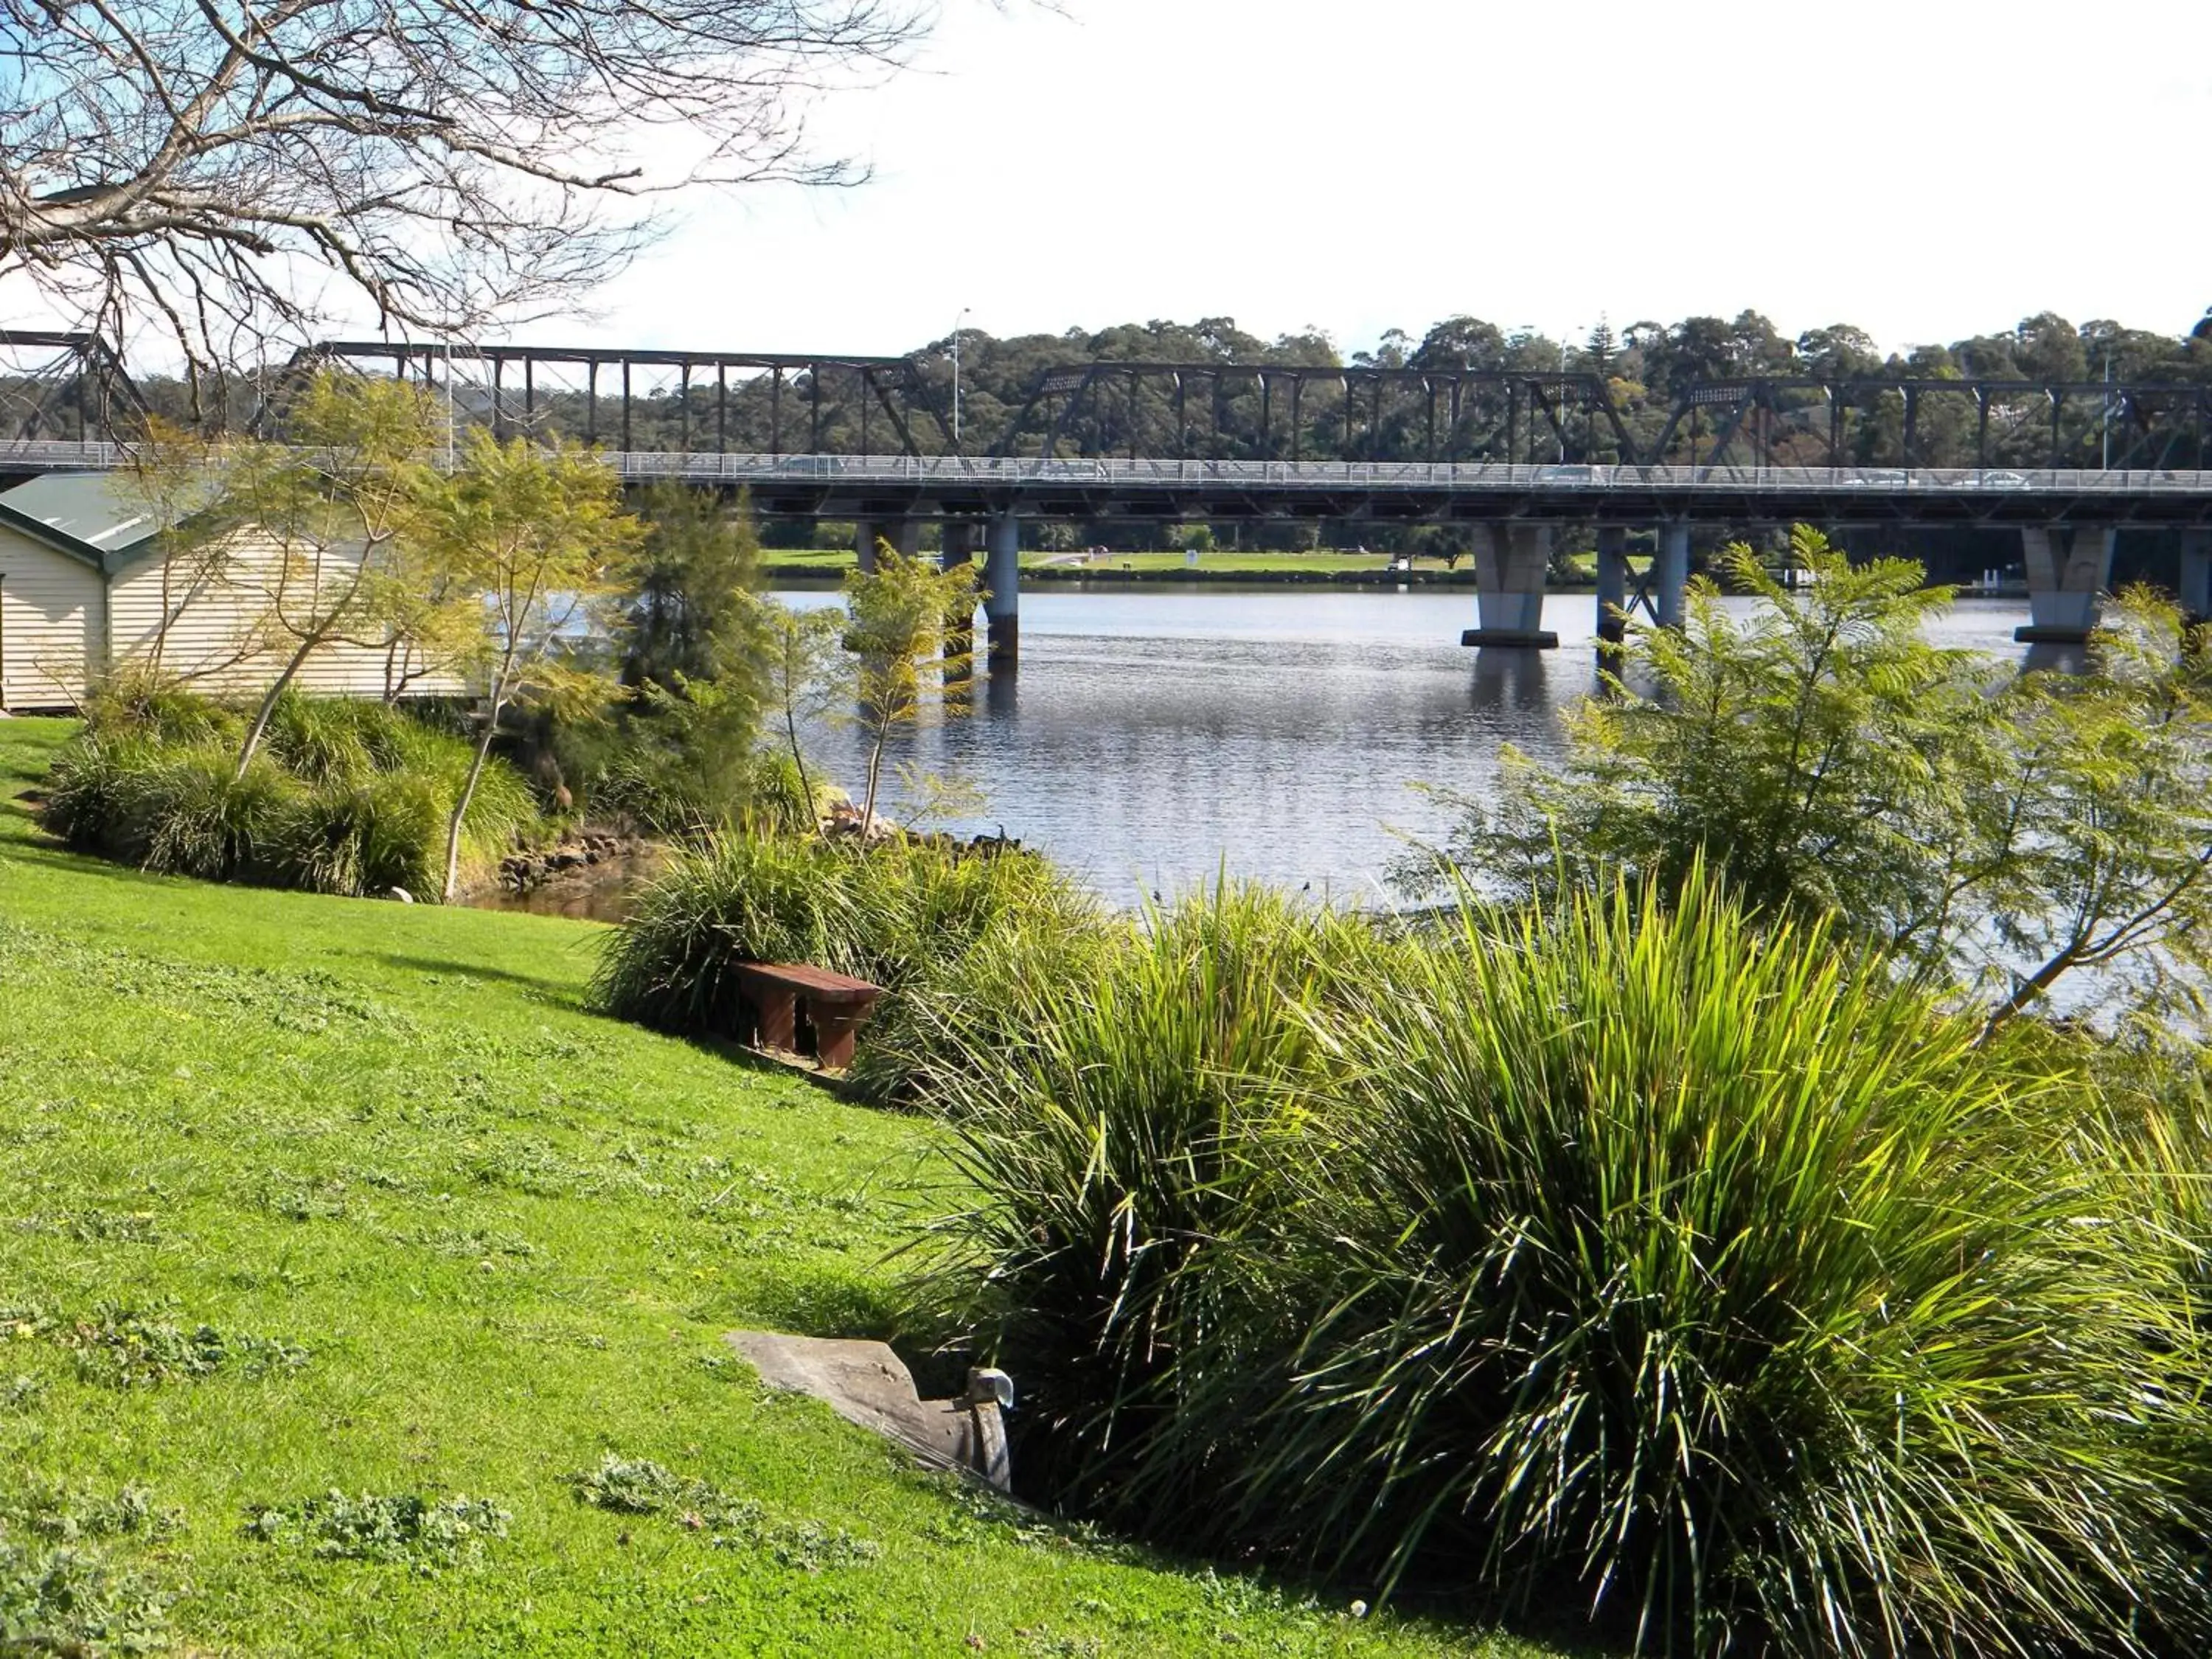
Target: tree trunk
2027,990
799,760
875,772
260,725
468,793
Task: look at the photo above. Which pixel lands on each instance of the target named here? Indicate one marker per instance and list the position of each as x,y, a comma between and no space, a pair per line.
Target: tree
177,481
434,621
536,532
2107,841
1992,833
187,162
688,612
801,671
333,509
902,619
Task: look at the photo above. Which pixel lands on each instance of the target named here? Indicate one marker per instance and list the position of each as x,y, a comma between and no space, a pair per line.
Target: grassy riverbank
452,1236
1211,567
1352,569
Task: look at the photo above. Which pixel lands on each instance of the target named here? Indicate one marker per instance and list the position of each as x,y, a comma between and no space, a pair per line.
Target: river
1156,735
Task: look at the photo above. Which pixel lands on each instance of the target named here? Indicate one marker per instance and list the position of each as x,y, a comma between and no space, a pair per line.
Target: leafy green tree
802,671
903,633
2102,857
1995,833
332,508
688,612
536,532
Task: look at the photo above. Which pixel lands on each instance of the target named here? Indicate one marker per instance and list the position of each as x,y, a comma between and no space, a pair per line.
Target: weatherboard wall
52,618
227,631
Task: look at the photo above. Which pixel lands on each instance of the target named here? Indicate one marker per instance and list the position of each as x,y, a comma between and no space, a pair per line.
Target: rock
866,1383
400,894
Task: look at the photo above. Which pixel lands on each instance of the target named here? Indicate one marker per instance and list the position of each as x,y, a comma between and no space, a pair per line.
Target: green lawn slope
454,1236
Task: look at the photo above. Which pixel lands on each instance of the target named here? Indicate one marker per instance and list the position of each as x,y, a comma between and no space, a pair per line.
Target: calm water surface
1155,736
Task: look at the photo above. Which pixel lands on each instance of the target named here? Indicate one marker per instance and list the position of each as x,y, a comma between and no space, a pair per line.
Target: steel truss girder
92,380
1171,409
898,386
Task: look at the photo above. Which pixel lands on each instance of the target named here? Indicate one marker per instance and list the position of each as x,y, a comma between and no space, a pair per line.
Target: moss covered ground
361,1292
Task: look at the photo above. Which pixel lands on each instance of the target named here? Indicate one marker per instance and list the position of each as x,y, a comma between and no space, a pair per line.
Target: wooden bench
837,1007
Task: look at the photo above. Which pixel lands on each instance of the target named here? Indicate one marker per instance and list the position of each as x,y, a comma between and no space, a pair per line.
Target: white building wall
224,637
53,615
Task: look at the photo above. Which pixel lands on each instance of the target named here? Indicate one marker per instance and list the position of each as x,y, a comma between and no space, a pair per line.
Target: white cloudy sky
1925,168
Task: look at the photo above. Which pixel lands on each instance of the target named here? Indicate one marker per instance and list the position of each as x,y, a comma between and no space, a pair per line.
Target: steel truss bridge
881,408
882,441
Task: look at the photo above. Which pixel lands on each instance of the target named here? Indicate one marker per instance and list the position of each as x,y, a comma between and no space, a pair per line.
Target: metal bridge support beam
865,532
957,549
1002,580
1611,588
2069,568
1509,562
2196,573
1670,576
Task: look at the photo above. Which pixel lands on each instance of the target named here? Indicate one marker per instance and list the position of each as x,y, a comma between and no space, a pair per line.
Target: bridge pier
2069,568
2196,575
903,534
1510,562
1612,589
1670,574
956,548
1002,601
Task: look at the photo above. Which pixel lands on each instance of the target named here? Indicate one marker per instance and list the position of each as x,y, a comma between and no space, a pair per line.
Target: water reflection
2047,658
1156,735
1516,682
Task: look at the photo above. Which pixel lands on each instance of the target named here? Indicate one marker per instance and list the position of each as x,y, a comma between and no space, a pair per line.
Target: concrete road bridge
1515,457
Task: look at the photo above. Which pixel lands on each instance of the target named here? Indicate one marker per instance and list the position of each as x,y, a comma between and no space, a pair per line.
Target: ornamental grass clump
1698,1272
1109,1130
341,797
1629,1256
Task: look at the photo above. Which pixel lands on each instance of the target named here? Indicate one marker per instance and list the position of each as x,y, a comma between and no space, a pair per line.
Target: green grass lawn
457,1238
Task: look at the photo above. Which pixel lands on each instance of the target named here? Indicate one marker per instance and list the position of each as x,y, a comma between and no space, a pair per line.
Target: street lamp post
956,321
2107,402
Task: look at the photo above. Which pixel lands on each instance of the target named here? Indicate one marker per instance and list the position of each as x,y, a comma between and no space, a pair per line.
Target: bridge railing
1145,475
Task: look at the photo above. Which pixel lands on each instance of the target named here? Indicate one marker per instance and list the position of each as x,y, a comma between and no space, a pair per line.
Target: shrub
157,709
347,798
329,739
979,999
1108,1127
1632,1255
192,817
1707,1272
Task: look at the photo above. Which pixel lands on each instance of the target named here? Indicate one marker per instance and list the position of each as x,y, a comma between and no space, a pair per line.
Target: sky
1926,169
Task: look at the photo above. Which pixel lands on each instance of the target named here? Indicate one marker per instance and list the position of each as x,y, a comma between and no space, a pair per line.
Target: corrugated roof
98,516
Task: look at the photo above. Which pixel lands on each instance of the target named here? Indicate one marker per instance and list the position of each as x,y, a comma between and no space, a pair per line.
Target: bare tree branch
212,166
